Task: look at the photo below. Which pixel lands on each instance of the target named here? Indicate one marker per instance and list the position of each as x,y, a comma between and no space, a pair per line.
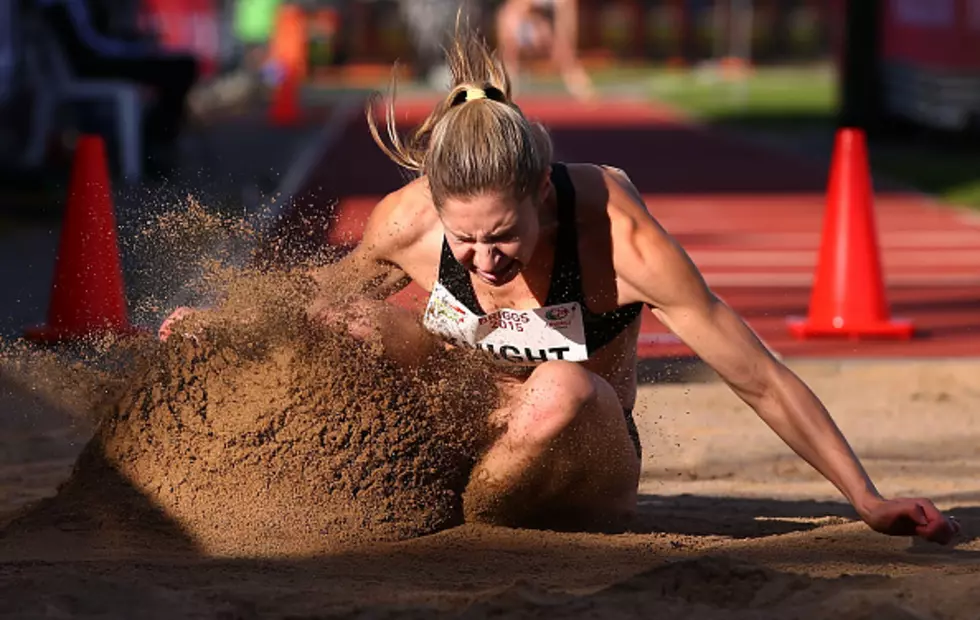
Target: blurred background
771,66
228,100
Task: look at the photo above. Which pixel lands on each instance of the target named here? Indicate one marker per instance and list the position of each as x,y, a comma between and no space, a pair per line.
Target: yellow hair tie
472,94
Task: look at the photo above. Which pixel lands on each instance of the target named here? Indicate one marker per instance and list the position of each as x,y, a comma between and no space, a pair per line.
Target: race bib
523,337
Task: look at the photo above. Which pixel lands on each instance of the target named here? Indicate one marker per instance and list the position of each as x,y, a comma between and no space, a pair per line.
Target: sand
259,431
731,524
270,466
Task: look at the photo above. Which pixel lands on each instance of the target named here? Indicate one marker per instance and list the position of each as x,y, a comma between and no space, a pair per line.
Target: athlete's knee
570,383
557,394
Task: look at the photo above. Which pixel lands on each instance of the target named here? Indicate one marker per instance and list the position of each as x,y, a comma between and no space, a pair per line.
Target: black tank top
566,274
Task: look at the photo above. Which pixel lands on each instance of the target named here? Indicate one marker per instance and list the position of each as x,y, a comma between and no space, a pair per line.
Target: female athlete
548,267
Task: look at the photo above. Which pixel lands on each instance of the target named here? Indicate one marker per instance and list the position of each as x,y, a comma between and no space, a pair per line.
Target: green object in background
792,104
255,19
795,95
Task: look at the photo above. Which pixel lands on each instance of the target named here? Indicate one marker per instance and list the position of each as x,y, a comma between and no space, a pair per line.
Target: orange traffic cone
87,297
284,109
848,295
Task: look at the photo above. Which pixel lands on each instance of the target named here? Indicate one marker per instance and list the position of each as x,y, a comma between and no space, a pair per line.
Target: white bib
522,337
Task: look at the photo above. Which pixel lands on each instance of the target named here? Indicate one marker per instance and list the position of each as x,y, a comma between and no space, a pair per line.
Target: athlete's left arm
654,269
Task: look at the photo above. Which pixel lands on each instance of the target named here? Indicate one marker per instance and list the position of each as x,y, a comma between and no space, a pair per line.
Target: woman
547,267
544,27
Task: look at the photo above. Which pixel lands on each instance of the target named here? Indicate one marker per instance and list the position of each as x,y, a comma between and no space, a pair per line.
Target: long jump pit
262,465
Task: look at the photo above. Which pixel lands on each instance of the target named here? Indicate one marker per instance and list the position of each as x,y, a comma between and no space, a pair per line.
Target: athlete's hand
166,328
357,319
911,517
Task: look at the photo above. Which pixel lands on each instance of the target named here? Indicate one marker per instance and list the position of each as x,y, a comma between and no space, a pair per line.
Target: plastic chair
55,84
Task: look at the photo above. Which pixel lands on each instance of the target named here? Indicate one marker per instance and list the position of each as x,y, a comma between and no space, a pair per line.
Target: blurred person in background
535,27
430,23
9,63
16,105
250,71
254,21
95,51
8,48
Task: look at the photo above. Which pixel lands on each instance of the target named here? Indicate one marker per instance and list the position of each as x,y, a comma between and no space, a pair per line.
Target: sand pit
276,468
266,433
730,526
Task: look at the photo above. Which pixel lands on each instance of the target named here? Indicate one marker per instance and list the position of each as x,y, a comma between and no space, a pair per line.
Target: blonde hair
476,140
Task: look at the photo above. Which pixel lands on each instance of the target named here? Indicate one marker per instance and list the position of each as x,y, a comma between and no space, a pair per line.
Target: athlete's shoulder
403,217
612,205
606,191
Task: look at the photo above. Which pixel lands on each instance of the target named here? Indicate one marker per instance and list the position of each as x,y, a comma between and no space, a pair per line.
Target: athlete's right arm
369,271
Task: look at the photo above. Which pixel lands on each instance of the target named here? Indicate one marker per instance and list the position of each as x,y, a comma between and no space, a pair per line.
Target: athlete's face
492,235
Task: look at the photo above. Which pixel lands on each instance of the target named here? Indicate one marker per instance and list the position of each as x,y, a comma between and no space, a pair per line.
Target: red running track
749,216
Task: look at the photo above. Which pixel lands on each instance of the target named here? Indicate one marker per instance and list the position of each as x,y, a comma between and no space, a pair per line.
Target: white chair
54,85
